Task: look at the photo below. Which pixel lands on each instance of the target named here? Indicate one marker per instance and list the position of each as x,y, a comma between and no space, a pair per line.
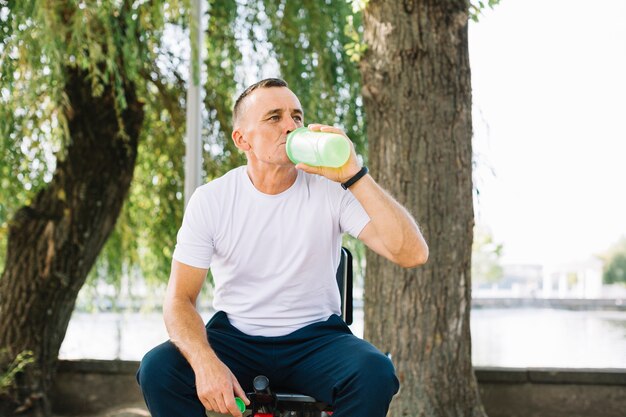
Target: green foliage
354,30
313,45
30,129
13,367
615,271
223,59
357,249
615,264
309,39
477,7
486,255
117,42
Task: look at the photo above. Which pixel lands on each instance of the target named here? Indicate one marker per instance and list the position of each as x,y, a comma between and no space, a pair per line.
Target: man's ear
240,141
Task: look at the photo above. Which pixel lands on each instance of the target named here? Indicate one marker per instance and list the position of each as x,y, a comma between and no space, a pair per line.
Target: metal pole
193,150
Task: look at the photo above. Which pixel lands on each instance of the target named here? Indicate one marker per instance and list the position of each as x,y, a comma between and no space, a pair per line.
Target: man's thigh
325,365
242,354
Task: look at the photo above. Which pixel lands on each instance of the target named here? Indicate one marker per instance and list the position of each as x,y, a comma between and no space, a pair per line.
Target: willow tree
417,95
73,95
92,96
141,245
300,40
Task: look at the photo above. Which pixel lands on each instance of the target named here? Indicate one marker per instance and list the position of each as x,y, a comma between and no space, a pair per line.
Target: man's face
266,117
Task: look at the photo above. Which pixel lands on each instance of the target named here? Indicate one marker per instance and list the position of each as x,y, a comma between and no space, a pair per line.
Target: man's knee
370,386
379,368
158,368
149,369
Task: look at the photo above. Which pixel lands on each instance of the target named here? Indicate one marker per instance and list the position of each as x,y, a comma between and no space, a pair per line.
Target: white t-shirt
273,257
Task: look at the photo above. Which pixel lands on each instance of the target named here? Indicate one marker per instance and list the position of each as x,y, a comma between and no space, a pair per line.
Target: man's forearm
393,224
186,330
216,386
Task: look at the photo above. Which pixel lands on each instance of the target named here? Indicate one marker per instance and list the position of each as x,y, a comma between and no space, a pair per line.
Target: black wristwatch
355,178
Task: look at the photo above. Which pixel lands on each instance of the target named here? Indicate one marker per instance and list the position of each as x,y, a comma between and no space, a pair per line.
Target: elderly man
271,233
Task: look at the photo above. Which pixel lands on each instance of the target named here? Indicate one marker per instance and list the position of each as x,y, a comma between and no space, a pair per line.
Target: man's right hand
217,387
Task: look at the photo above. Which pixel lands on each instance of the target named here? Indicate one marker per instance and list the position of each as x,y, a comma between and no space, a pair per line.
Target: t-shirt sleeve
194,242
352,216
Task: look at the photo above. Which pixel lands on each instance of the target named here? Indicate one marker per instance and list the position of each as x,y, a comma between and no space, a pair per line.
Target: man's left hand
344,172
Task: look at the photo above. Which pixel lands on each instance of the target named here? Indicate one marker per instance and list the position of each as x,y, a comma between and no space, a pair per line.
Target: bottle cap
288,147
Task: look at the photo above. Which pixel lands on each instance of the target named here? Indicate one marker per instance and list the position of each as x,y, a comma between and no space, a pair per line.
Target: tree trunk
417,97
54,241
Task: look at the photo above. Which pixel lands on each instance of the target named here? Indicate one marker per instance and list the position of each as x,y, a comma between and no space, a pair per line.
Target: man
271,234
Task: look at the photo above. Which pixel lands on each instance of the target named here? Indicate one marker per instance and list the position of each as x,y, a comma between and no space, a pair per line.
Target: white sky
549,91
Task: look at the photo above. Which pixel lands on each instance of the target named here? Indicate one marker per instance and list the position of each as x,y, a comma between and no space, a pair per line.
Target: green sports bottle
318,149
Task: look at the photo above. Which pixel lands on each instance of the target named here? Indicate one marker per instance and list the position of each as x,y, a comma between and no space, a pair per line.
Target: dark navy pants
323,360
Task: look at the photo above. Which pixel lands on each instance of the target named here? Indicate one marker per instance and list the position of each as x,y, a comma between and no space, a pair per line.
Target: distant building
570,280
574,280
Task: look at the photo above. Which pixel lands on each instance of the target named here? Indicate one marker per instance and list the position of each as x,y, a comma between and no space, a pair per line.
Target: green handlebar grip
240,404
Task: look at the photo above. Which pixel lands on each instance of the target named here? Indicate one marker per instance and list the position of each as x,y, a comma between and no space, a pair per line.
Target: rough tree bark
54,241
417,97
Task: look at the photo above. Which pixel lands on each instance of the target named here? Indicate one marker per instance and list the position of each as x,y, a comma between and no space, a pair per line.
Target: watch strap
355,178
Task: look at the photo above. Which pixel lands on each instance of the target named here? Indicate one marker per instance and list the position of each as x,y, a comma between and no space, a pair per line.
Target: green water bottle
318,149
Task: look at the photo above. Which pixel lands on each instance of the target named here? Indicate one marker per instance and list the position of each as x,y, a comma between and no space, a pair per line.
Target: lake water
517,338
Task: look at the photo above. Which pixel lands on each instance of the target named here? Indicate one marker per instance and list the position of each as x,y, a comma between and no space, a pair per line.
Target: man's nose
291,125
